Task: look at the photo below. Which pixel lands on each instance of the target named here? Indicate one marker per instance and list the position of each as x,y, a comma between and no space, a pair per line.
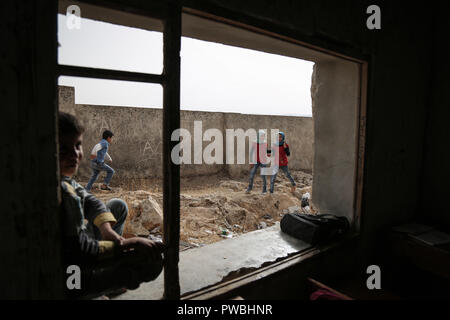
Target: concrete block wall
299,135
137,147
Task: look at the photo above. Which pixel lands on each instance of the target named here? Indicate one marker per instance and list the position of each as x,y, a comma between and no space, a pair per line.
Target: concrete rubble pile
210,214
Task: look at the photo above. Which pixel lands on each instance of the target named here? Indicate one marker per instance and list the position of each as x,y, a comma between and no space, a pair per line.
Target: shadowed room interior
402,159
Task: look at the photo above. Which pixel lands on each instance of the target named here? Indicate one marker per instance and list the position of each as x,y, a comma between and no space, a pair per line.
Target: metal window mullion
171,171
75,71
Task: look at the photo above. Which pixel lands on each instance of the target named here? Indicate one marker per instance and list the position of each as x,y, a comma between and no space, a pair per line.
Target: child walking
98,155
281,161
258,154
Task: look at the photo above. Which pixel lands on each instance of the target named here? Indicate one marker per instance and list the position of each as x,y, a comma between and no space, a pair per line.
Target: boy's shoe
247,191
105,187
264,192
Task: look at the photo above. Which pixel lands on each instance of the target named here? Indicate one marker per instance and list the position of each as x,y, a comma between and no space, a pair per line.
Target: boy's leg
119,209
109,173
288,174
264,180
272,181
95,173
252,176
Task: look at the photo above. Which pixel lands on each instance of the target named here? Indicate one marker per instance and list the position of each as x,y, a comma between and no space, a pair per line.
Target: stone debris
305,199
155,238
209,205
145,214
233,185
156,230
294,209
186,245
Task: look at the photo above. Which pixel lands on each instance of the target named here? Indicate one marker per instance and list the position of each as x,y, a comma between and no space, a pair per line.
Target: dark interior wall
398,94
30,265
291,282
435,205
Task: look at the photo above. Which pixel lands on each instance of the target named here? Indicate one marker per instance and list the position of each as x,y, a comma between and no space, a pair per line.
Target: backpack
314,229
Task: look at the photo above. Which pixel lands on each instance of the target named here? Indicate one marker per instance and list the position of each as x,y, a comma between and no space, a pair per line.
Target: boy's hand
143,245
108,233
251,165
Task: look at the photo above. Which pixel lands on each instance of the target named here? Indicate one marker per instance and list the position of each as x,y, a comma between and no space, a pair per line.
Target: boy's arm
83,249
94,151
286,149
79,246
108,157
252,159
108,232
97,213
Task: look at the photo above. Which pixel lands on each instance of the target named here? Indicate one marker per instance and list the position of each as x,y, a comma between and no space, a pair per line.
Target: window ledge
225,265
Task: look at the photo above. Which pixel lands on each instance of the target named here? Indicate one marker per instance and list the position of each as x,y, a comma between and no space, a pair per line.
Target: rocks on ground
215,210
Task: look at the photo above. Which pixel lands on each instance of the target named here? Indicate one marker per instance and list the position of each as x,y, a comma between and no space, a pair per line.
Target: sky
214,77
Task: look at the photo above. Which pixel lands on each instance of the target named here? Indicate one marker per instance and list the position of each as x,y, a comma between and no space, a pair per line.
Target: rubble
144,215
209,205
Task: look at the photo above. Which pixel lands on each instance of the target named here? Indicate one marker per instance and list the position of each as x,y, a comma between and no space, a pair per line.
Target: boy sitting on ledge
107,261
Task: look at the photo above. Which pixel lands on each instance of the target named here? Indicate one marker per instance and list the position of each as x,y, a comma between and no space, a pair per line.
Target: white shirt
98,147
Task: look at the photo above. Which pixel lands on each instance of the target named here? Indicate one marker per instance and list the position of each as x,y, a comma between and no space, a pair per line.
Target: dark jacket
80,247
283,152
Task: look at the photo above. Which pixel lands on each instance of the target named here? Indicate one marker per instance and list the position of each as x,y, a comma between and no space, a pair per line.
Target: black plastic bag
314,229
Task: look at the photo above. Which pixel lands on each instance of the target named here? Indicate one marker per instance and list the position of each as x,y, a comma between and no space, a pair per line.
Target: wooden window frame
170,14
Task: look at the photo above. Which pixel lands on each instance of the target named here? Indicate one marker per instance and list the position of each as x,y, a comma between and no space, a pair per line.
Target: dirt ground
213,208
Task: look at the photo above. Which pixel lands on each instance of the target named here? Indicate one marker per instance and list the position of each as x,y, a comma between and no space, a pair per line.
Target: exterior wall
137,149
299,136
335,110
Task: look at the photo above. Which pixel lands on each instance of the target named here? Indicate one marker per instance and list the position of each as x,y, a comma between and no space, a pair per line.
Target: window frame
171,14
271,30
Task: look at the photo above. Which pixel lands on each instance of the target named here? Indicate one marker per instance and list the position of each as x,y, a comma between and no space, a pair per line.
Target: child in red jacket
281,161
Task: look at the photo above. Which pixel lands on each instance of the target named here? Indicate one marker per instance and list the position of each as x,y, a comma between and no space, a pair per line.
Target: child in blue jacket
98,155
